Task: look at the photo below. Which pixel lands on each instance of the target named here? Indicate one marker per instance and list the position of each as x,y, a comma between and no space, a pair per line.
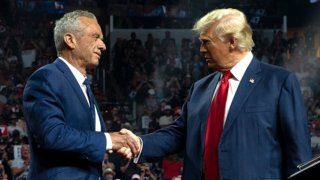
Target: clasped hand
125,143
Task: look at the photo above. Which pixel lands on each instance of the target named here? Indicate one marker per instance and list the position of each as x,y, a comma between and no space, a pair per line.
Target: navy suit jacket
61,130
265,134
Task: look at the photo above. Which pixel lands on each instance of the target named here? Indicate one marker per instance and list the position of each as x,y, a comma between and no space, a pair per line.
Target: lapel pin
251,80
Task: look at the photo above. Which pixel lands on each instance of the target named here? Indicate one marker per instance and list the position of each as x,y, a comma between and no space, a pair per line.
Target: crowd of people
154,76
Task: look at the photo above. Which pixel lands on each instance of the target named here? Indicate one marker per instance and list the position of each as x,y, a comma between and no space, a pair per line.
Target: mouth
210,61
207,59
98,54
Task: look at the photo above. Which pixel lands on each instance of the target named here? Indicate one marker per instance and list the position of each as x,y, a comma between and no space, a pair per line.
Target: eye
205,42
95,36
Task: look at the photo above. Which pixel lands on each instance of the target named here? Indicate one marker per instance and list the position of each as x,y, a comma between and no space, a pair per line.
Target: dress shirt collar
77,74
240,68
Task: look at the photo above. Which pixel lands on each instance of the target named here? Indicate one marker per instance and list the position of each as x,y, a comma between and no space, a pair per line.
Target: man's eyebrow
96,35
204,39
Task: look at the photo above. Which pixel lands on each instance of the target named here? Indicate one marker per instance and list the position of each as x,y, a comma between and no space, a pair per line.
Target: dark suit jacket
61,130
265,135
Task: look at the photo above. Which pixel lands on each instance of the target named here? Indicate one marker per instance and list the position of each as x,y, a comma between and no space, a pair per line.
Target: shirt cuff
136,159
109,141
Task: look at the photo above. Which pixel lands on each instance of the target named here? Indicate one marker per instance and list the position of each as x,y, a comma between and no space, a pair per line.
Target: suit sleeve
164,141
49,120
167,140
293,120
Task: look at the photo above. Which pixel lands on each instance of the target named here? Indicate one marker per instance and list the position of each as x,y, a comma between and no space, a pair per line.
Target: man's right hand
125,143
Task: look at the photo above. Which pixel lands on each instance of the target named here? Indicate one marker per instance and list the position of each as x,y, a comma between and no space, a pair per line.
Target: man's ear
70,40
233,43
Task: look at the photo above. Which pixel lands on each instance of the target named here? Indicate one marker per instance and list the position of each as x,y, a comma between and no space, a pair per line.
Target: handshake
125,143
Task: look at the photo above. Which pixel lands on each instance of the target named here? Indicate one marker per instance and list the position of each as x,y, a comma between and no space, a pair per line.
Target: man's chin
212,65
93,65
96,62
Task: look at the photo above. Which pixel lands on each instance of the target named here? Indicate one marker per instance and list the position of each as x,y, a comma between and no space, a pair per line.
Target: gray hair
69,23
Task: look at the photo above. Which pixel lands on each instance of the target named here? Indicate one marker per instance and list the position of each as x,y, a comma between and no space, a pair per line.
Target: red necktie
214,129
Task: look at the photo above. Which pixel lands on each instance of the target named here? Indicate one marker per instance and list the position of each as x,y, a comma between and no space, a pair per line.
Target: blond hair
230,23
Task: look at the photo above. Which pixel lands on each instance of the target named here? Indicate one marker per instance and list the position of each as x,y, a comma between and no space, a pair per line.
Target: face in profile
213,49
90,45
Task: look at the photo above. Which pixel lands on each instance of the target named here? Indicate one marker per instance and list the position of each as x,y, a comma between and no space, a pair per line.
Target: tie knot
227,75
86,82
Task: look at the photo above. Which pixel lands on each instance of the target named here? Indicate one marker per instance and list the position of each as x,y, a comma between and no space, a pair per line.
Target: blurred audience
153,77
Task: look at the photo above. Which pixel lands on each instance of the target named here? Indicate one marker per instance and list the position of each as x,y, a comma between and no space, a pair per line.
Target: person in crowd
246,120
66,131
171,166
128,168
5,166
20,166
109,174
133,171
167,118
168,43
173,92
3,174
146,173
107,163
151,102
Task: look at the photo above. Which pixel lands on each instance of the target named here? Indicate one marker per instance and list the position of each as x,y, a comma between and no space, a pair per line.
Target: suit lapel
208,93
249,80
102,123
75,85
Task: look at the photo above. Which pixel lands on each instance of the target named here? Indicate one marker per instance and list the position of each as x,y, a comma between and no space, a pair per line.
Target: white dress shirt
237,71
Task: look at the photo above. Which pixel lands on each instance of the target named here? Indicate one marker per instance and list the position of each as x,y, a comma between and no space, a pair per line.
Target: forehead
26,147
208,33
87,20
91,25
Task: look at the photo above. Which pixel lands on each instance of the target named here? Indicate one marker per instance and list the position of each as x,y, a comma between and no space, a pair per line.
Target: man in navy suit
264,133
67,134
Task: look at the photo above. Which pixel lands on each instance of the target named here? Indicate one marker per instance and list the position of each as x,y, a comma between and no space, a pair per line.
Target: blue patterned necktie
90,97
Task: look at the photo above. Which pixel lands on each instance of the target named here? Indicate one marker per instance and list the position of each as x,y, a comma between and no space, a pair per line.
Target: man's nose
202,48
102,46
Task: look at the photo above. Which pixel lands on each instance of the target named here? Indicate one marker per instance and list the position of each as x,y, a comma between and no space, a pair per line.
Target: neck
236,57
74,62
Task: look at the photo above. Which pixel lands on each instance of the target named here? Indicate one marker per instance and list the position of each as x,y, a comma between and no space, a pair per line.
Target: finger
119,140
136,140
137,143
124,131
125,152
133,142
132,146
125,138
128,153
122,151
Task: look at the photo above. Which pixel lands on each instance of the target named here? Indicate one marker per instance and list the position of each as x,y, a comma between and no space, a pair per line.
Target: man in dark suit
67,134
264,122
